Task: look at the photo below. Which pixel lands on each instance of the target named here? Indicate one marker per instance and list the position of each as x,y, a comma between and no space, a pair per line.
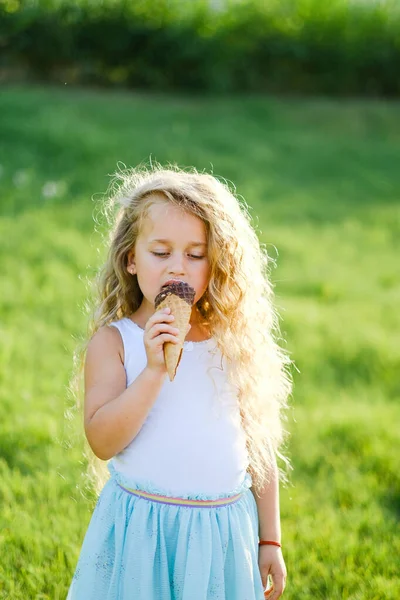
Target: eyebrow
161,241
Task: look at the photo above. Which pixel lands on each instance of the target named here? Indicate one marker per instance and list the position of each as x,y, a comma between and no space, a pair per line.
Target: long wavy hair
237,305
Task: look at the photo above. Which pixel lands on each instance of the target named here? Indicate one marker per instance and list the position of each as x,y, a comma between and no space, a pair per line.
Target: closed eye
164,254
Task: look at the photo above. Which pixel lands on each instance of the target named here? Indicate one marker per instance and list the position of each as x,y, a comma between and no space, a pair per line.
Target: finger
162,328
264,578
165,337
159,317
279,582
268,594
276,591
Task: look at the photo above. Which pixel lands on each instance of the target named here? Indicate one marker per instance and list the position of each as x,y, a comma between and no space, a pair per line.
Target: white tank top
192,440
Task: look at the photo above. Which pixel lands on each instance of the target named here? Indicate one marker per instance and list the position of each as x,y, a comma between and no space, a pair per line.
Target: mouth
173,281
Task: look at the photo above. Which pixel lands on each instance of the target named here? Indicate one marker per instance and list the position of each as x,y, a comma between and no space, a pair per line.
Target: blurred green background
303,46
321,177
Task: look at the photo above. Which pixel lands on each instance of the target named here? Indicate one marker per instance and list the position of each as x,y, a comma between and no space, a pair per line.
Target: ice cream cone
179,298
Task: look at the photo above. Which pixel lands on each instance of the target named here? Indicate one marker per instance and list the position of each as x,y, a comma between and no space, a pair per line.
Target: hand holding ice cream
179,297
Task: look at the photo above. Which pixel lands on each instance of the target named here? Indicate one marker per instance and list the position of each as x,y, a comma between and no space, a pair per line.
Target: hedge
305,46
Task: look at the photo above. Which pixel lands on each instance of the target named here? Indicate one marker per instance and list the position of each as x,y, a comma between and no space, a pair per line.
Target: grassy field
322,179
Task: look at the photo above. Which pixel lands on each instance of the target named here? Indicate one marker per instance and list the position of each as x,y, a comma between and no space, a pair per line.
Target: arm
268,509
114,413
270,559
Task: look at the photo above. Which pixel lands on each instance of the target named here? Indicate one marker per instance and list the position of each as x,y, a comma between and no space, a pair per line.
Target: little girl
191,509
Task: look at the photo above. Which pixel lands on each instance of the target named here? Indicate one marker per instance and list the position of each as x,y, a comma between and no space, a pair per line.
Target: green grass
322,178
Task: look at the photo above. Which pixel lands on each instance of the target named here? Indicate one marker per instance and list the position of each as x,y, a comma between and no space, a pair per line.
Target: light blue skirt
137,548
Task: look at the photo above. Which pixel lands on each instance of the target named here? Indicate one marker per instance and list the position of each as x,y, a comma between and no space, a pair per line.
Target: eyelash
164,254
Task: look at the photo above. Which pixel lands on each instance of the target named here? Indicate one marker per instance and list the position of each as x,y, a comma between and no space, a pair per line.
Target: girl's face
171,245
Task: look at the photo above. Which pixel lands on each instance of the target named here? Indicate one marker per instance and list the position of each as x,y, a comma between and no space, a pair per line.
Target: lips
173,281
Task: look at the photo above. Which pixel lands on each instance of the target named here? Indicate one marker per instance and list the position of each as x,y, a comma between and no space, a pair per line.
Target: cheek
150,264
205,273
148,270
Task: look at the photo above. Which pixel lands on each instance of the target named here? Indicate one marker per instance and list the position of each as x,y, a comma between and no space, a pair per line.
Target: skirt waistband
181,501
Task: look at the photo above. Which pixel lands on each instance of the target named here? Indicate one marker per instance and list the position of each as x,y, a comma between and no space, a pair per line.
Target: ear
131,265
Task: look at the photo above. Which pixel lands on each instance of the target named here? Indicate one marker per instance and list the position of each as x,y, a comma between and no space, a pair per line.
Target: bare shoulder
107,340
105,376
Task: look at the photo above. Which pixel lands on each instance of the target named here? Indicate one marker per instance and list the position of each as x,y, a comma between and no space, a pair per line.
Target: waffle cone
181,311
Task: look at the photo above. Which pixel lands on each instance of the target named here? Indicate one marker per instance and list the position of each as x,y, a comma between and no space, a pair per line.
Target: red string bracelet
268,542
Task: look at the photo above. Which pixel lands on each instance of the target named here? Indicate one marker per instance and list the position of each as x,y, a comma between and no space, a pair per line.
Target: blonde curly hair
237,306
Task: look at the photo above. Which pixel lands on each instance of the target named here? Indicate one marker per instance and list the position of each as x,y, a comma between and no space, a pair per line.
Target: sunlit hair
237,306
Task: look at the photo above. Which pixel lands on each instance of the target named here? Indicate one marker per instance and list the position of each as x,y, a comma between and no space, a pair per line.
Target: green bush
303,46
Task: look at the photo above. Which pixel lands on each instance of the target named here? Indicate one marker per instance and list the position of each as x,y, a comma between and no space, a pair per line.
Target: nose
176,266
